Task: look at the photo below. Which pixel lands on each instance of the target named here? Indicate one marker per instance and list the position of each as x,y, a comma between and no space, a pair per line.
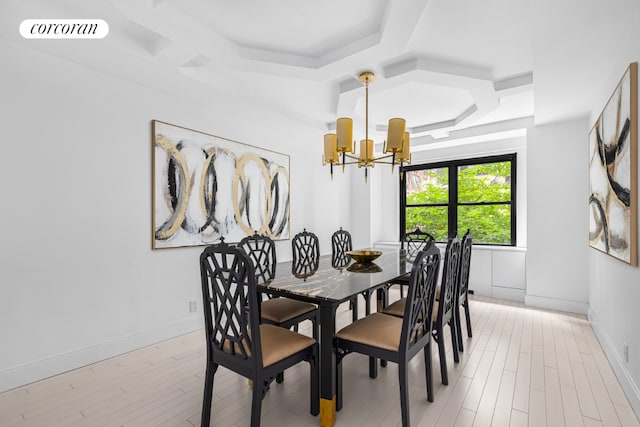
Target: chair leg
208,393
338,383
443,356
256,402
404,392
468,318
454,339
354,308
456,313
373,367
401,291
429,371
314,368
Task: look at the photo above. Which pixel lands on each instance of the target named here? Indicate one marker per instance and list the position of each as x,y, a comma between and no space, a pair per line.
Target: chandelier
338,147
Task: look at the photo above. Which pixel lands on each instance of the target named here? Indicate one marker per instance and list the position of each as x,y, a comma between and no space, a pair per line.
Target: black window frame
453,204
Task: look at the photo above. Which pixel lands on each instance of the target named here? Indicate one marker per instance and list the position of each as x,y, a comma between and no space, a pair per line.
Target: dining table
328,286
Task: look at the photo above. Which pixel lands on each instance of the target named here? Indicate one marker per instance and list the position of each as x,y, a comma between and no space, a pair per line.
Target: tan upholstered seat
276,343
376,330
279,343
396,309
280,310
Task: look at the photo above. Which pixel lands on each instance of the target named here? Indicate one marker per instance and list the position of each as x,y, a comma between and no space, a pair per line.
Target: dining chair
279,311
446,305
443,312
463,288
306,254
397,339
397,307
341,243
235,338
413,242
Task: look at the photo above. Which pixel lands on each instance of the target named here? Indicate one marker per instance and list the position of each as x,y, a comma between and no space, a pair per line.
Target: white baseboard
629,386
557,304
57,364
507,293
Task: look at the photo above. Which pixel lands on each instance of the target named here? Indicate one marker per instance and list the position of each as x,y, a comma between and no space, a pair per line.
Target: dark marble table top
335,284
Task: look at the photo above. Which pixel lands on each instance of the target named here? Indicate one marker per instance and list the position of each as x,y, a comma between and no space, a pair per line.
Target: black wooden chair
235,337
284,312
306,254
445,307
341,243
397,308
412,243
397,339
463,288
443,313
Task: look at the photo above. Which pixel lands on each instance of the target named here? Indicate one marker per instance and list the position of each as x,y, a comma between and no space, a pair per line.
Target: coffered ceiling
450,67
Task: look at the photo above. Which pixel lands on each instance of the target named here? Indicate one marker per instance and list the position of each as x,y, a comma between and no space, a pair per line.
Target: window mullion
453,200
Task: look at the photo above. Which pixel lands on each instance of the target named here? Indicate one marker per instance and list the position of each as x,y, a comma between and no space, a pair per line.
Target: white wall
557,220
614,287
78,279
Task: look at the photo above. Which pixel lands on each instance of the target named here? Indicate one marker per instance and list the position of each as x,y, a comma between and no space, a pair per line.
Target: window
448,197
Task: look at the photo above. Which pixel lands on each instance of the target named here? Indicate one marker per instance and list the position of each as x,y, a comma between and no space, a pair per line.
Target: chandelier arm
382,162
349,156
375,159
350,163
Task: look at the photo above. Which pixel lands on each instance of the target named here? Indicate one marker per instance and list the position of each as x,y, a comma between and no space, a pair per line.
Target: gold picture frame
613,173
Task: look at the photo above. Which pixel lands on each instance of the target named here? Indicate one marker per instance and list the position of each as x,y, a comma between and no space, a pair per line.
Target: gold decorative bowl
364,257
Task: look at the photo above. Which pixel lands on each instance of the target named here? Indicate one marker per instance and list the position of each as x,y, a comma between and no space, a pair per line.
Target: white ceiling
448,66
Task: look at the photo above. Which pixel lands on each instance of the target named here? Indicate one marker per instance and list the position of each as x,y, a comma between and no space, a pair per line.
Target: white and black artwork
613,173
206,187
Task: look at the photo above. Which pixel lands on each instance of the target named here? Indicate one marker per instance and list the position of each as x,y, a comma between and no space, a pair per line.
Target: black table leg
327,365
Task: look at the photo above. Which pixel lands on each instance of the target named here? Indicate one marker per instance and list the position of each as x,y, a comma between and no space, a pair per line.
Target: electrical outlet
626,353
193,306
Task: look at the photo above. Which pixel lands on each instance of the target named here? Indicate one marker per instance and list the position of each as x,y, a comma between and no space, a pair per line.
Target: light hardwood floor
523,366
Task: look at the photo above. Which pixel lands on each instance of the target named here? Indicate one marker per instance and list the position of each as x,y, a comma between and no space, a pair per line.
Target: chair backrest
340,244
449,284
465,262
306,254
417,240
262,251
417,319
230,303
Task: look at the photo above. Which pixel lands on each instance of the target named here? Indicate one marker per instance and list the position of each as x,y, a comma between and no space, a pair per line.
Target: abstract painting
206,188
613,173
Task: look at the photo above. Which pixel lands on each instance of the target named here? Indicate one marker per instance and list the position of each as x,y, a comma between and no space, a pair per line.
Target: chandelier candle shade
340,146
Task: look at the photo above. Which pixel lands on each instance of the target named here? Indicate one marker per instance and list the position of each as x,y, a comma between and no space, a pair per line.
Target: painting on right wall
613,173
